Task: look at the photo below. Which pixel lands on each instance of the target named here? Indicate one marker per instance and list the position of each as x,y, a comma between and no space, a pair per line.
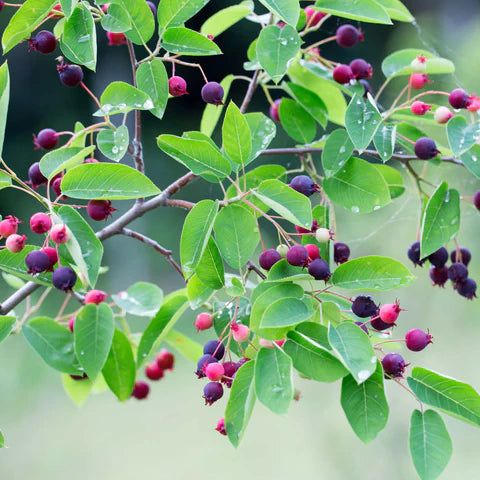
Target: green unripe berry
282,250
322,235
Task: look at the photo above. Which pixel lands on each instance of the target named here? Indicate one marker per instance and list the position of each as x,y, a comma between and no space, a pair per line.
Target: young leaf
237,141
210,270
310,101
285,312
461,136
274,379
106,180
68,6
372,273
384,141
287,10
173,13
441,219
430,444
338,149
365,405
396,10
4,99
188,42
116,20
296,121
94,327
282,271
77,390
225,18
212,113
262,132
113,143
197,292
393,178
121,97
55,161
141,20
240,403
186,346
142,299
152,79
6,325
119,369
361,10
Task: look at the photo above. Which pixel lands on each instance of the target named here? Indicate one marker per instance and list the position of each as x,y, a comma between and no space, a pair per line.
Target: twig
252,267
250,91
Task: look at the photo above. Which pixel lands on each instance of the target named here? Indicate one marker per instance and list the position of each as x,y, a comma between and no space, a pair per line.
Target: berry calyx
274,110
100,209
313,16
140,390
116,39
214,371
297,256
361,69
269,258
442,115
416,339
70,75
425,148
304,185
389,312
59,234
348,36
418,80
439,258
215,348
37,262
323,235
467,288
44,42
393,365
46,139
413,254
202,364
95,296
52,255
220,428
439,276
457,272
473,103
165,360
153,371
212,392
458,98
204,321
364,306
341,252
64,278
212,92
420,108
177,86
319,270
9,226
40,223
343,74
15,243
36,176
313,251
240,333
462,255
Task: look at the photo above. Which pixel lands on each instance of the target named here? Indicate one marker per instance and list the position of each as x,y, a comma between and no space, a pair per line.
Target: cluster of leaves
322,341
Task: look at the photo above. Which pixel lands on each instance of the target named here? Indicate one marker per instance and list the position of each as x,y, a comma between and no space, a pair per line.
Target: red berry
313,252
15,243
361,69
36,176
274,110
95,296
140,390
420,108
313,16
100,209
177,86
425,148
241,333
212,92
313,228
52,255
9,226
165,360
343,74
59,234
390,312
348,36
319,270
230,368
153,371
417,339
44,42
71,323
341,252
116,39
214,371
393,365
212,392
418,80
268,258
204,321
64,278
46,139
458,98
40,223
37,262
473,103
297,256
70,75
220,428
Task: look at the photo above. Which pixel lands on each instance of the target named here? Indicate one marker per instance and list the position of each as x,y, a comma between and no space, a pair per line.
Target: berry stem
321,42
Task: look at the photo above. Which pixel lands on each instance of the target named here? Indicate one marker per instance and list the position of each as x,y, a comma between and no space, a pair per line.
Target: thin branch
252,267
250,91
180,204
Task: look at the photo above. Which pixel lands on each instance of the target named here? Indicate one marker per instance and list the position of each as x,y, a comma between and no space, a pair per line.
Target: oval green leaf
143,299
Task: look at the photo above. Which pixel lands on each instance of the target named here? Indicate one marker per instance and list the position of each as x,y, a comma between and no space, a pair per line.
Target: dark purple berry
439,276
56,186
37,262
457,272
46,139
341,252
269,258
153,8
464,253
439,258
305,185
202,364
414,254
319,270
70,75
458,98
366,88
362,326
343,74
393,365
361,69
242,361
467,288
379,324
416,339
425,148
348,36
476,200
297,256
44,42
64,278
140,390
230,369
100,209
364,307
215,348
35,175
212,392
212,92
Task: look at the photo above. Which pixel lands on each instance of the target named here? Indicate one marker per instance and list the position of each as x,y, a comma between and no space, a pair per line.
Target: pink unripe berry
140,390
9,226
59,234
323,235
116,39
153,371
95,296
442,115
420,108
313,252
71,323
313,16
343,74
417,339
165,359
40,223
473,103
203,321
274,110
177,86
418,80
214,371
390,312
418,64
52,255
220,428
241,333
15,243
458,98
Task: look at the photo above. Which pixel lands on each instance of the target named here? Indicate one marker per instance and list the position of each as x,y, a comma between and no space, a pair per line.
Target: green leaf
53,343
5,180
237,141
186,346
287,10
2,440
361,10
26,19
225,18
365,405
172,308
276,47
196,232
113,143
462,137
14,264
210,270
212,113
77,390
430,444
6,325
357,186
396,10
68,6
13,281
471,160
393,178
362,119
84,247
372,273
262,132
188,42
310,101
453,397
56,161
384,141
121,97
116,20
107,180
354,349
274,379
240,403
441,219
197,292
287,202
4,99
296,121
197,155
93,333
282,271
173,13
79,38
399,63
141,20
285,312
338,149
119,370
152,79
79,140
142,299
236,233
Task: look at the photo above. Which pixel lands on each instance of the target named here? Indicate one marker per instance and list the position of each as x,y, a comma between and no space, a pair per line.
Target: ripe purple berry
476,200
70,75
457,272
64,278
425,148
319,270
37,262
416,339
379,324
393,365
305,185
361,69
230,369
140,390
215,348
100,209
268,258
348,36
35,175
364,306
343,74
177,86
439,276
362,326
439,258
212,392
297,256
44,42
341,252
202,363
274,107
458,98
46,139
414,254
212,92
464,254
467,288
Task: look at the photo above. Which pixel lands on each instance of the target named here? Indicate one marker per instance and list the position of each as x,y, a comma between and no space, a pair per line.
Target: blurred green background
171,435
